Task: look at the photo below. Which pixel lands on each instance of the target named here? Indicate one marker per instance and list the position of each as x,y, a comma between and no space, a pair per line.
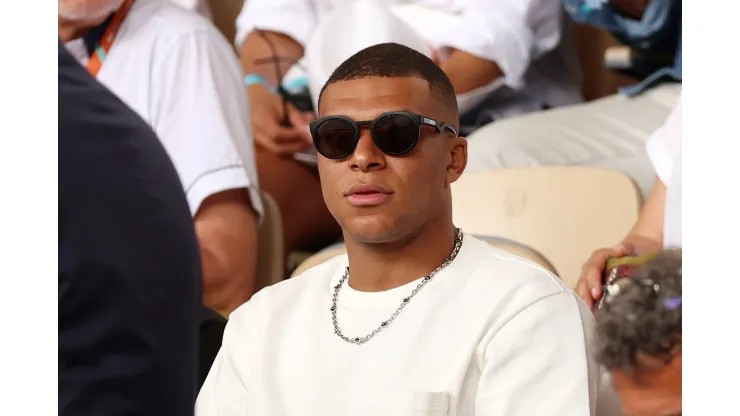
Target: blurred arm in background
211,146
499,38
659,223
270,38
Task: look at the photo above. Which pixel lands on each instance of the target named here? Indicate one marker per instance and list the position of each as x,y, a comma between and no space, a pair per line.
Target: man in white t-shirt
659,224
418,318
180,75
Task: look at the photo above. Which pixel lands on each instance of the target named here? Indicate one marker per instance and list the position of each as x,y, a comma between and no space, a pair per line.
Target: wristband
253,79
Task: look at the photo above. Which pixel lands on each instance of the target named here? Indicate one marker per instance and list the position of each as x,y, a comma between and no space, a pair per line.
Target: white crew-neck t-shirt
491,334
665,151
176,70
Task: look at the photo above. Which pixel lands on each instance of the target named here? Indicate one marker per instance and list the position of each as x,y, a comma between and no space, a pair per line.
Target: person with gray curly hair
638,336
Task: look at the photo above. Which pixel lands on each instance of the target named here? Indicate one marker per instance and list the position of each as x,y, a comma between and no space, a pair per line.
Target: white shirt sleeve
294,18
540,362
199,6
664,146
512,33
225,391
200,113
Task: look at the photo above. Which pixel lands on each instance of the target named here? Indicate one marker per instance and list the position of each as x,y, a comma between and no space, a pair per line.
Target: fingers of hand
589,284
582,291
299,120
281,140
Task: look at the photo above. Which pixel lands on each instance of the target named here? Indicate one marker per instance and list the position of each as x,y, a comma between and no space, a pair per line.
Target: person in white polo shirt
659,225
179,74
418,318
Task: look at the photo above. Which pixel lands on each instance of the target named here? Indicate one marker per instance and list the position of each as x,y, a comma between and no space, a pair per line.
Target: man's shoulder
164,20
283,295
505,274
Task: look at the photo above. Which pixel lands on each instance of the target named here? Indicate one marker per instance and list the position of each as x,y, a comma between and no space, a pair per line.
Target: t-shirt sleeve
226,390
512,33
201,115
294,18
538,363
664,146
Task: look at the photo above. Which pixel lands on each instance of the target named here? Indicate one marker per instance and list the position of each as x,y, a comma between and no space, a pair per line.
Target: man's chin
371,230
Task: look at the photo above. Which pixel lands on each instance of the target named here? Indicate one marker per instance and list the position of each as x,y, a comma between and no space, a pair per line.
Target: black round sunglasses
395,133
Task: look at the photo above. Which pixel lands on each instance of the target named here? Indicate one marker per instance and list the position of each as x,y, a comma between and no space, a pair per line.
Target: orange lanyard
109,36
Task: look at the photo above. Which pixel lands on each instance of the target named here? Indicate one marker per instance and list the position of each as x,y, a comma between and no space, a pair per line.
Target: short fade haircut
642,319
391,60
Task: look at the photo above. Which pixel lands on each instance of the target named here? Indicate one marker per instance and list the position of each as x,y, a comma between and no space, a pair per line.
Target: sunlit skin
87,9
417,183
418,205
654,390
77,17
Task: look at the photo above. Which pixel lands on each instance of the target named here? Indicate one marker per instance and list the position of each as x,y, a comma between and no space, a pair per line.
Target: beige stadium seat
506,245
565,213
520,250
318,258
271,262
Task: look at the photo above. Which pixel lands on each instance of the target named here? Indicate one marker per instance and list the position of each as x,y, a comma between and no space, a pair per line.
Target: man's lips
364,195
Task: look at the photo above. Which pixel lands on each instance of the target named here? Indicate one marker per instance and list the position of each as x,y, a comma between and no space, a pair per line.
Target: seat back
565,213
504,244
271,261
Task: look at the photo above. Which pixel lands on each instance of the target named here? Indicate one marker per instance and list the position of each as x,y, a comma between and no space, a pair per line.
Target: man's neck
380,267
74,29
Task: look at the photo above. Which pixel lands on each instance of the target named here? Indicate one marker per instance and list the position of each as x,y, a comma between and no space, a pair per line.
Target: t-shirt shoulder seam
524,308
269,292
511,257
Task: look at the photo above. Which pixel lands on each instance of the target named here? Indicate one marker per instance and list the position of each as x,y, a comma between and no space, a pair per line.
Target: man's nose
367,156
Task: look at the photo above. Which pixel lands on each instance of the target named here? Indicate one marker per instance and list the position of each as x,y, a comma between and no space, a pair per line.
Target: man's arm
271,35
285,25
201,115
647,234
227,229
663,148
468,72
261,46
634,9
646,237
540,362
499,38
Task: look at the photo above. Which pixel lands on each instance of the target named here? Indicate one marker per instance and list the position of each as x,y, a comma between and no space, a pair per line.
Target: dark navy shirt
129,265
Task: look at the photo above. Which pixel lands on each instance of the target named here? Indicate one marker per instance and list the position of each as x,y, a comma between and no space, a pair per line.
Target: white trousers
610,133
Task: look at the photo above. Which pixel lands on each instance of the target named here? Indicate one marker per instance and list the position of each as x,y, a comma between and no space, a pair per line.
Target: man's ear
457,158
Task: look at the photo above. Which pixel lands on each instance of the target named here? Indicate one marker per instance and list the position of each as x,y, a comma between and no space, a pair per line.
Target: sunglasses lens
335,138
395,134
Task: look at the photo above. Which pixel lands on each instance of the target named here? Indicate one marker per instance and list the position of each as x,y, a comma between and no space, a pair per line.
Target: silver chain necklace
386,323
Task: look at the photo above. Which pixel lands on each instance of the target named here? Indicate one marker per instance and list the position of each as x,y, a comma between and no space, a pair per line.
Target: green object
628,261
